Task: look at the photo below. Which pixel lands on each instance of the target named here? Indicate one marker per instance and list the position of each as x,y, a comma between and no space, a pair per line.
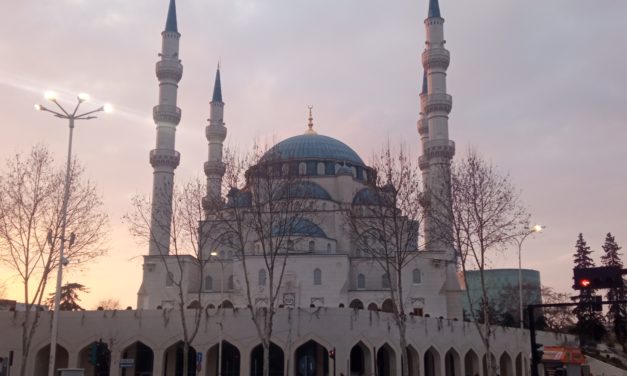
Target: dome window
321,168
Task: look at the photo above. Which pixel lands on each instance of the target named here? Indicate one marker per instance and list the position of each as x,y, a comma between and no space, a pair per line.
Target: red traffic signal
604,277
584,283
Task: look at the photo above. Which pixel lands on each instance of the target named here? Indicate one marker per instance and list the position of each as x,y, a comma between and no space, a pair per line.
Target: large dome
313,146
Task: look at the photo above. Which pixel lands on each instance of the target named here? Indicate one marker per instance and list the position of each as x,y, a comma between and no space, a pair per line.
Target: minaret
164,158
216,133
438,151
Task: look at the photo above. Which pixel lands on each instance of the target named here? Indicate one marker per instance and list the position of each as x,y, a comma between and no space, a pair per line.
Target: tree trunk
266,357
404,350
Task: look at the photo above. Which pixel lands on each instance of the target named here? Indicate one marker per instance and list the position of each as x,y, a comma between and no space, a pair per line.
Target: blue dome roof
299,227
305,189
313,146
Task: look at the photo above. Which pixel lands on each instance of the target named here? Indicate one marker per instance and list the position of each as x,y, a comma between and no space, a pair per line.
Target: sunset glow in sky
539,88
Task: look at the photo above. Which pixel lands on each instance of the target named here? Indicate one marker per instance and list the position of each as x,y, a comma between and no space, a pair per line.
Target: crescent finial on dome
310,125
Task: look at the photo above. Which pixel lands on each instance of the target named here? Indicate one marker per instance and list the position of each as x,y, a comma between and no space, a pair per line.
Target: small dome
313,146
300,227
305,189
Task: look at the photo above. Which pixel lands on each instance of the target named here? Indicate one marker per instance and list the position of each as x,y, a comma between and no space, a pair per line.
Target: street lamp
519,241
71,116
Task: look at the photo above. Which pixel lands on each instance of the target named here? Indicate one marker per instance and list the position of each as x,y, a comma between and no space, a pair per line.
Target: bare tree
385,227
487,214
557,319
183,256
3,290
31,196
109,304
267,216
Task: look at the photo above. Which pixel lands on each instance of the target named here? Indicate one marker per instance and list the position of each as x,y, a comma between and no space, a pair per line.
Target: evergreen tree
589,322
69,297
617,314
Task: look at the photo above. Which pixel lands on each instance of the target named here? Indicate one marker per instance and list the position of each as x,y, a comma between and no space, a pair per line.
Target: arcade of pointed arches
309,358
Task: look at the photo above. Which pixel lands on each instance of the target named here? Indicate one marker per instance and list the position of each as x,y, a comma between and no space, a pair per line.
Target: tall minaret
438,151
164,158
216,133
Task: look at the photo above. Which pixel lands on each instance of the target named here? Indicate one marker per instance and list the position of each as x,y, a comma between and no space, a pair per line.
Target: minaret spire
434,8
217,87
170,23
164,158
216,134
438,151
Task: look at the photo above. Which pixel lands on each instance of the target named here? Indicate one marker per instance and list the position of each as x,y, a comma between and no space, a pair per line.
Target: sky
538,89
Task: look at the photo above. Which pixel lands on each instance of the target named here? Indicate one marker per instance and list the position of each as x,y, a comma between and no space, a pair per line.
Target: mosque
333,303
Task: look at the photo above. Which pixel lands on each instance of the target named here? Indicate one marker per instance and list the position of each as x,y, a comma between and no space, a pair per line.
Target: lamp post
71,116
519,242
214,254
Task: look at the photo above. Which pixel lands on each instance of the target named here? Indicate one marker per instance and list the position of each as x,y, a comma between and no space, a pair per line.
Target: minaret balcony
436,58
165,158
166,113
169,70
439,148
437,102
215,133
423,163
215,168
423,127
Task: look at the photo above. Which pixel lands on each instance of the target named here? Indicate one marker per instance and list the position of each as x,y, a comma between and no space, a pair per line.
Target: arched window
361,281
321,168
290,245
208,283
328,247
385,281
302,168
312,246
416,276
317,276
169,279
285,169
262,277
230,284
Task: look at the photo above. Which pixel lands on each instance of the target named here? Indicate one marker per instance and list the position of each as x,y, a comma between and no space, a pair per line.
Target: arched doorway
311,359
432,363
173,360
226,304
452,363
373,307
95,358
505,365
230,363
143,357
277,360
356,304
471,363
43,356
360,360
387,306
413,361
386,361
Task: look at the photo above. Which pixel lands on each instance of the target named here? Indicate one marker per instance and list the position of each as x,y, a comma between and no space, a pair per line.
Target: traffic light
604,277
538,352
332,353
